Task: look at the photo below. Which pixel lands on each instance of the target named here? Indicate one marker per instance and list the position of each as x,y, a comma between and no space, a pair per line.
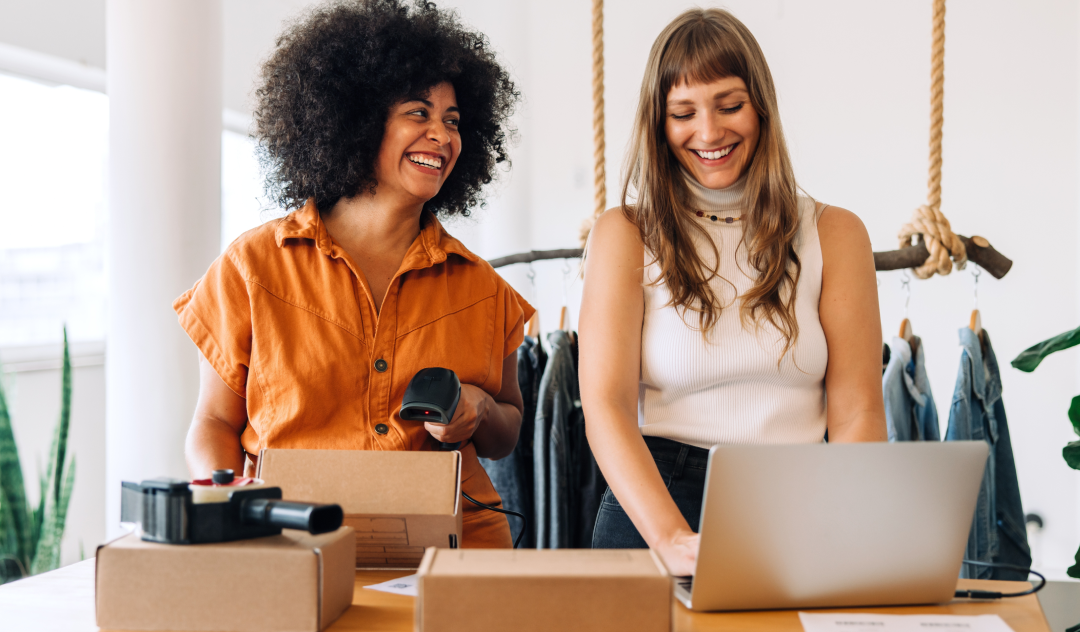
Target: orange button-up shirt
287,320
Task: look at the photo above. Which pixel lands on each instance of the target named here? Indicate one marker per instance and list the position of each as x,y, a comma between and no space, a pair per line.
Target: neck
374,223
715,200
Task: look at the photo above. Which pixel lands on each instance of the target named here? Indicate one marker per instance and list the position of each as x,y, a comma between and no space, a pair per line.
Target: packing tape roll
220,493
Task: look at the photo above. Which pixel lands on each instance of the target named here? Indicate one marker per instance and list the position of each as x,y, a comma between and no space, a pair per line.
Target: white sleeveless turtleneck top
731,389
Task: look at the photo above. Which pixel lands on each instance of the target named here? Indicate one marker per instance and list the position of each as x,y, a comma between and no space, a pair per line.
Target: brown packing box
294,582
481,590
399,503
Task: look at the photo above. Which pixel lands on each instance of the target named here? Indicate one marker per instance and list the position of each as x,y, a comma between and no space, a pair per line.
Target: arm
612,310
852,324
213,441
492,422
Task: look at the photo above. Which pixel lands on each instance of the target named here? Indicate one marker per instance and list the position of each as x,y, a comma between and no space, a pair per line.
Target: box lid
367,481
591,563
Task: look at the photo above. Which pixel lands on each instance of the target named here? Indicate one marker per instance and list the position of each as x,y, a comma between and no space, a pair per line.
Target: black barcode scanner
432,395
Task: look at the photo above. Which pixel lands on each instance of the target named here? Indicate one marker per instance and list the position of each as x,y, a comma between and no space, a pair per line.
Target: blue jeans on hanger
683,469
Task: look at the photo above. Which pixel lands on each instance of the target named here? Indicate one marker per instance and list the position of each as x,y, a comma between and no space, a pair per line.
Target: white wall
853,80
31,381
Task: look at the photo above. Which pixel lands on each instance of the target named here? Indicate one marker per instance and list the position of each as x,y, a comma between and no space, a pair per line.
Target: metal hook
566,270
975,274
531,275
905,284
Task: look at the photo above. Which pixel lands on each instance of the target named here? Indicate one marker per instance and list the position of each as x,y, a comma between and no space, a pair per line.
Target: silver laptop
834,525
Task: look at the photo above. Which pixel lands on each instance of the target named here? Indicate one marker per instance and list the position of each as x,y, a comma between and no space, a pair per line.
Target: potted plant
1027,361
30,537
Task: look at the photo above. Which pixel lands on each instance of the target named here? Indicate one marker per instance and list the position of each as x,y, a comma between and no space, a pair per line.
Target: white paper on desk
834,622
400,586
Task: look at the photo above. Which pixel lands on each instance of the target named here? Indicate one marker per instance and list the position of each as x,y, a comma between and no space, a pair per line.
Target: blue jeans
683,469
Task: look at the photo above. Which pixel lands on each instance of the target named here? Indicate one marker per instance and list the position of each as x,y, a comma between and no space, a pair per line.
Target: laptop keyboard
686,582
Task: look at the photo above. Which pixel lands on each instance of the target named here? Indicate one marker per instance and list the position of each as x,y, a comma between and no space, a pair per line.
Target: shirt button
382,428
380,365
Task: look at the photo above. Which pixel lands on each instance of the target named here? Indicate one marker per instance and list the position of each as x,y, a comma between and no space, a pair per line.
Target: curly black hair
328,87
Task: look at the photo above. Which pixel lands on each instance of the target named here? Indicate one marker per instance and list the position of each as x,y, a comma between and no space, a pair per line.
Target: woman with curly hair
719,305
373,117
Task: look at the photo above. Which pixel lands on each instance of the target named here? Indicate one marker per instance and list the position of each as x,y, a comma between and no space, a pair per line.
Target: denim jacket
513,475
910,412
557,400
977,413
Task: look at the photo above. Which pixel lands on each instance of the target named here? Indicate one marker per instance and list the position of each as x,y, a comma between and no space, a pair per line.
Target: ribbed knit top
733,388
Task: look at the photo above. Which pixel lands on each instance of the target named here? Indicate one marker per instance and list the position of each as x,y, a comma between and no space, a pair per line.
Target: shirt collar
432,245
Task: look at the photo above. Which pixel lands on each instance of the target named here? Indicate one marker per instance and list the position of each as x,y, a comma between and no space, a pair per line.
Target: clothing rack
979,251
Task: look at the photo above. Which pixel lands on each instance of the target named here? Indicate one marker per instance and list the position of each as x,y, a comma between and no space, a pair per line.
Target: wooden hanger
562,317
533,327
908,334
975,324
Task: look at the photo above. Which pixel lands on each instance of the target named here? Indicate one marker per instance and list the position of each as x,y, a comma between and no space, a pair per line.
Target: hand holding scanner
432,395
219,509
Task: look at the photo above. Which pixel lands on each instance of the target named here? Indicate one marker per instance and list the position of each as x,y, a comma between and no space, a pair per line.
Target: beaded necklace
726,220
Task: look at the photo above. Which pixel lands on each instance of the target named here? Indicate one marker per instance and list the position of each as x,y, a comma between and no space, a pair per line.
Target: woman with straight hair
719,304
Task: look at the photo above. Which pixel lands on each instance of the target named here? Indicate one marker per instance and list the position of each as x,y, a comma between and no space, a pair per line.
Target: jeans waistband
681,454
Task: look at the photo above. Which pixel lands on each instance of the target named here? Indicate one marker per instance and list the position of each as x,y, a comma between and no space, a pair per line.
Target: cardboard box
481,590
294,582
399,503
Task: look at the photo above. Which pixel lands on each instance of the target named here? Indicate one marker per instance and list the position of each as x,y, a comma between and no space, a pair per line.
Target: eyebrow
716,97
452,108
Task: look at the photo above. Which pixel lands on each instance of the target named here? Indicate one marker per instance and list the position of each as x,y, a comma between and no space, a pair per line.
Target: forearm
860,424
497,434
212,445
631,473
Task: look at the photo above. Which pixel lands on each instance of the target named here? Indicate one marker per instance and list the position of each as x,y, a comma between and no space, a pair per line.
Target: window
243,203
53,162
53,173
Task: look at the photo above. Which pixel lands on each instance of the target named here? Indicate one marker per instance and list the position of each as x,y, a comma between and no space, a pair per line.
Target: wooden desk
63,601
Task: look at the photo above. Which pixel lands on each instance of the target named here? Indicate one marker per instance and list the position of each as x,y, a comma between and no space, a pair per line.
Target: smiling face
420,146
712,128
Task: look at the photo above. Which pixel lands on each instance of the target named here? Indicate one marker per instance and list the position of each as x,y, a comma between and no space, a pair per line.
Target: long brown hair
702,46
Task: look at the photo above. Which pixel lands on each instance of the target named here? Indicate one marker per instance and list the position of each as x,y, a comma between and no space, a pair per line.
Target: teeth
427,161
715,155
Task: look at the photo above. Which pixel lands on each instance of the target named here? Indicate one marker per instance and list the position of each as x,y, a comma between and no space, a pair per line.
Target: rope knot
946,249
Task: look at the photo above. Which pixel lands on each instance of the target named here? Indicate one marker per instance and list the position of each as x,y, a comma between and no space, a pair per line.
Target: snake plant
1027,361
30,537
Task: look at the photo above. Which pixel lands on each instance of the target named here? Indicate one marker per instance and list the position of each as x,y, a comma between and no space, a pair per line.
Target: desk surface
63,600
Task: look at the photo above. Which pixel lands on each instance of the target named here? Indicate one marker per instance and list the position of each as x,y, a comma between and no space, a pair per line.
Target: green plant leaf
9,542
51,512
64,425
47,556
1071,452
1074,414
1074,570
11,480
1032,356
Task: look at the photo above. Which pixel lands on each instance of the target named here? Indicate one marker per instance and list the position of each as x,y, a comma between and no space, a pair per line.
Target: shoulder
254,247
614,235
842,235
837,224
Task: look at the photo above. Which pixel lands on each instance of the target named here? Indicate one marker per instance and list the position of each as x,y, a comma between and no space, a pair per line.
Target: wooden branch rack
979,251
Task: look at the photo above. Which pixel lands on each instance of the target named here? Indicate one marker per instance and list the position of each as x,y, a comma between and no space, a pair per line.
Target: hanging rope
940,241
945,248
599,175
